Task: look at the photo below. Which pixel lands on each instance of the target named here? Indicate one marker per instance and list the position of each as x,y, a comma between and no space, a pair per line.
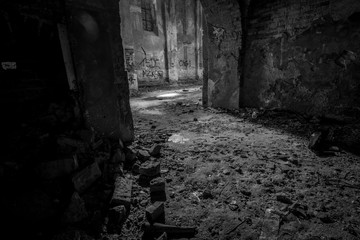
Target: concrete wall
148,61
94,30
223,52
167,54
303,55
189,48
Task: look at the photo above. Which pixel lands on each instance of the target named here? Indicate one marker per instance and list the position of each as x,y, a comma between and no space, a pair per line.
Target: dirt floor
245,174
242,175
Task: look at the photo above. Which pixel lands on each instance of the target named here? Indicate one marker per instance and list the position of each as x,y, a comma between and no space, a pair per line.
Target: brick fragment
85,178
157,185
155,150
155,211
122,192
143,155
117,214
150,169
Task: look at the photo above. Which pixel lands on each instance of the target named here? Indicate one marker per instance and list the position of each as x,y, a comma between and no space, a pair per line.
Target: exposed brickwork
273,18
298,55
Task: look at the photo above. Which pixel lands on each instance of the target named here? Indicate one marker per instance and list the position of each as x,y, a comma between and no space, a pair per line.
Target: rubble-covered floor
224,172
246,174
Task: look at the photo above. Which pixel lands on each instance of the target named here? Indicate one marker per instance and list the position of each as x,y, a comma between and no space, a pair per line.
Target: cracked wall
303,56
167,48
223,52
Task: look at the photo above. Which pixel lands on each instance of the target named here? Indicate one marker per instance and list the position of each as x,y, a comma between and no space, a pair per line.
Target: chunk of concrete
155,150
117,214
150,169
155,211
122,192
76,211
315,139
85,178
157,185
143,155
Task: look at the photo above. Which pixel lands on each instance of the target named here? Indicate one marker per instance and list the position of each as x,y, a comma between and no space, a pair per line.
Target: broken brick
157,185
284,199
117,214
143,155
314,140
122,192
155,150
150,169
85,178
155,211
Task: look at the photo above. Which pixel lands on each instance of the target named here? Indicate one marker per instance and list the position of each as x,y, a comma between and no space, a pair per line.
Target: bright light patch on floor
152,112
177,138
168,95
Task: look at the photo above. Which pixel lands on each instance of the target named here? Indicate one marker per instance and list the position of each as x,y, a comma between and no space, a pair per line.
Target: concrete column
198,40
127,24
171,31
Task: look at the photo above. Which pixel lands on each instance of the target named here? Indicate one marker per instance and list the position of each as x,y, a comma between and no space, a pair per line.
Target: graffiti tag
185,63
8,65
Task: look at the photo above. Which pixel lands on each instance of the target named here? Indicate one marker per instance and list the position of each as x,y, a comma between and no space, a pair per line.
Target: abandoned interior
180,119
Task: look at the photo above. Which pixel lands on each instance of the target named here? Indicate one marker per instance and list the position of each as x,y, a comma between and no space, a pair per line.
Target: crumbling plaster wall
189,48
303,55
169,54
223,45
147,47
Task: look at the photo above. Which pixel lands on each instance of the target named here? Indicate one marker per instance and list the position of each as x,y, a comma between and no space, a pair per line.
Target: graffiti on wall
219,34
155,74
149,62
8,65
132,78
185,63
150,67
129,59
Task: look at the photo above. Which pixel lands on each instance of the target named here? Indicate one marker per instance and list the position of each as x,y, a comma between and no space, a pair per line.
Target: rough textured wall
188,17
224,32
302,55
146,47
94,30
171,52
